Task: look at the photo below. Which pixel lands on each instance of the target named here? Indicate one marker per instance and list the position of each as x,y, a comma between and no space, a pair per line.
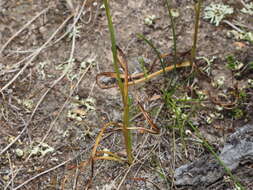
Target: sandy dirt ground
51,109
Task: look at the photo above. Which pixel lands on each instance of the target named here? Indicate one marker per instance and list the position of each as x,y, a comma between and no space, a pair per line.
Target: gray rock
238,149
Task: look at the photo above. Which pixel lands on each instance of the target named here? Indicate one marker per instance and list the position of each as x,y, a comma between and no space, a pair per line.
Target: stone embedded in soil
237,150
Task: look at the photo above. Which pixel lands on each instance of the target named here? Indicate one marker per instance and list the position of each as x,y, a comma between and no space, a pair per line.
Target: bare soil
49,95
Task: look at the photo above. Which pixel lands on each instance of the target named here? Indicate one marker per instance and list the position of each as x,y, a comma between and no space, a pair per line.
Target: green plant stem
197,8
173,32
114,48
123,88
127,132
158,54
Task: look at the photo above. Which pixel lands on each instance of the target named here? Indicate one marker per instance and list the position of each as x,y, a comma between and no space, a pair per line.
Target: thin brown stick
42,173
12,179
63,106
26,25
34,55
11,171
52,169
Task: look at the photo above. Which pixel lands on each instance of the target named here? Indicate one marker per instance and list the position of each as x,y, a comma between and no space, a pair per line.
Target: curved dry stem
134,76
112,158
100,135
